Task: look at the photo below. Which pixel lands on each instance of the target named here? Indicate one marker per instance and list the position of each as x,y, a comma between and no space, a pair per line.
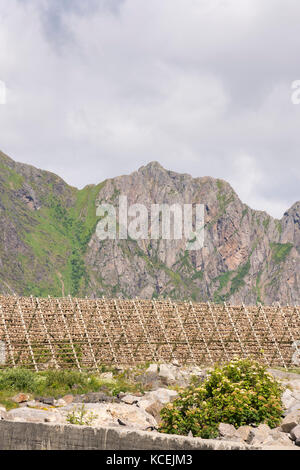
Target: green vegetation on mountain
280,251
48,247
55,234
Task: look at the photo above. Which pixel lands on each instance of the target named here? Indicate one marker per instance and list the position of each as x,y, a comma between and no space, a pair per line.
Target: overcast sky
98,88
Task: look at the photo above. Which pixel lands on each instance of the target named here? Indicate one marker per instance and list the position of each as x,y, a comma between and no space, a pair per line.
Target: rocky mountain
49,245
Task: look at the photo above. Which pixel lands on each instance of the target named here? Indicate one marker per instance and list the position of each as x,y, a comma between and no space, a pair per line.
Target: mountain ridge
48,244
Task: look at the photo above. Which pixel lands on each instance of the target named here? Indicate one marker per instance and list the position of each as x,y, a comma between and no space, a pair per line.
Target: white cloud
98,88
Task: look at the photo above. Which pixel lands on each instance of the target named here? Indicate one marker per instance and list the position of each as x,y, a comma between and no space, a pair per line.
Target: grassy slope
52,239
59,241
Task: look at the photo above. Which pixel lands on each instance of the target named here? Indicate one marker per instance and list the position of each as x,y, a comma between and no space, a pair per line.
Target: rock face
48,243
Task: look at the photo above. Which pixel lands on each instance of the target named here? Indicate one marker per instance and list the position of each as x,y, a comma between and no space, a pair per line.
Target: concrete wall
40,436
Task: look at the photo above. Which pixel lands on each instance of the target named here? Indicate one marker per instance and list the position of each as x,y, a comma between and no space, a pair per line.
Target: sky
98,88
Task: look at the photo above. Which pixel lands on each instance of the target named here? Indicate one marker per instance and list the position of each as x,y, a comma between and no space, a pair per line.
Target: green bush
239,392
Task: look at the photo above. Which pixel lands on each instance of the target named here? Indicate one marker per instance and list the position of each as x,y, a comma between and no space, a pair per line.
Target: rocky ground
142,410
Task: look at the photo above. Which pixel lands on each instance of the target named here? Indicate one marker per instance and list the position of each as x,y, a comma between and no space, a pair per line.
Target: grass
266,224
57,383
238,280
6,400
280,251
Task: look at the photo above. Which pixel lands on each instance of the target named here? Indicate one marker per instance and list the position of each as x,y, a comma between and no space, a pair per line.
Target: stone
21,398
259,435
156,399
154,410
227,431
51,419
243,432
107,376
95,397
163,395
144,403
108,414
32,415
296,395
3,413
68,399
295,433
270,444
289,377
61,402
290,421
34,404
279,438
287,398
130,399
295,385
174,371
153,368
295,408
166,371
150,380
47,400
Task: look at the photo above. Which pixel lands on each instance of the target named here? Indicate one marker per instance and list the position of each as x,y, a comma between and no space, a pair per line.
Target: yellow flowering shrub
240,392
